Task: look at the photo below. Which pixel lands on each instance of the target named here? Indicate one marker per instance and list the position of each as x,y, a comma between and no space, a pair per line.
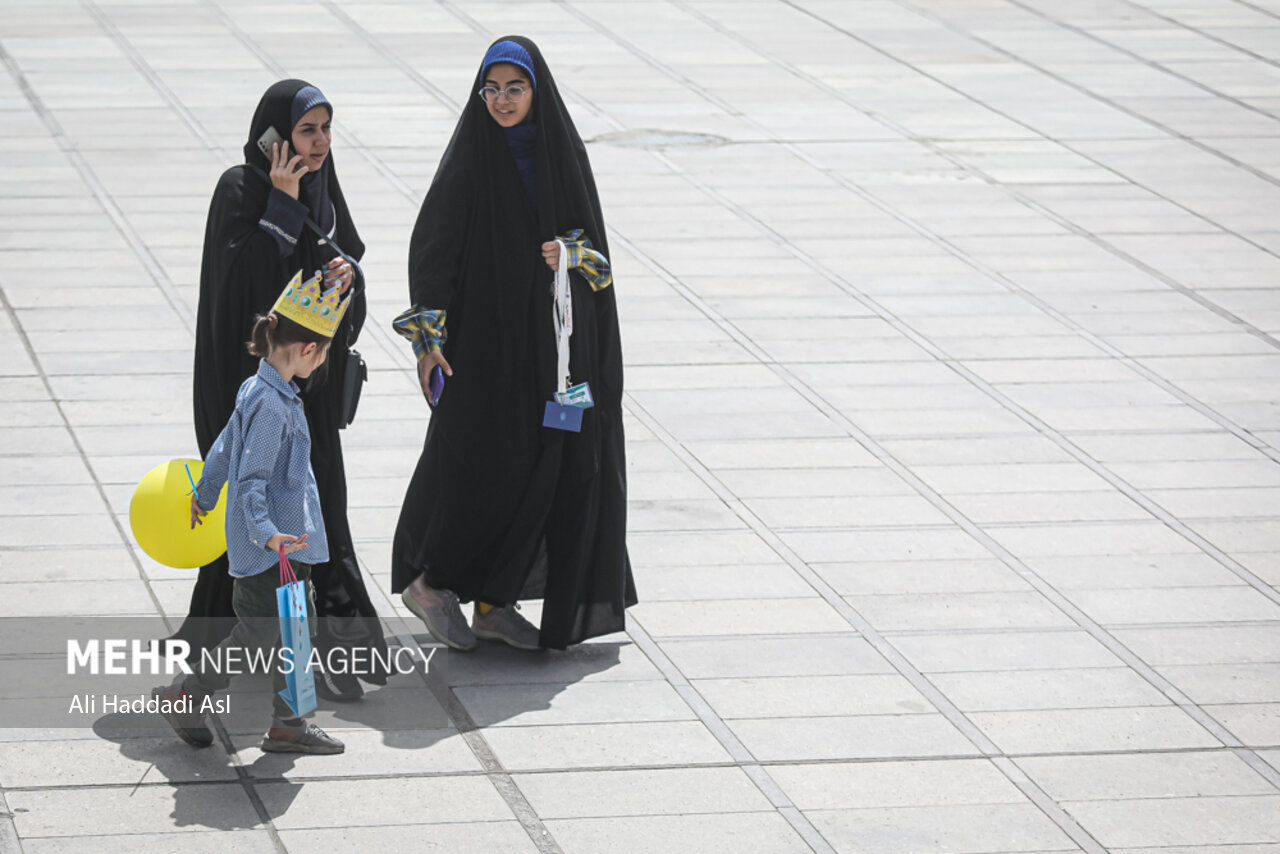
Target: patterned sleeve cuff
283,220
423,327
593,266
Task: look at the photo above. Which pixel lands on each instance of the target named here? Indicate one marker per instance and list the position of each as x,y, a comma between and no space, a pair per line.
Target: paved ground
952,335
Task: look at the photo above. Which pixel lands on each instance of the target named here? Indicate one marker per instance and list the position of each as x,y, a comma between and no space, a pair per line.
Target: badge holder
565,411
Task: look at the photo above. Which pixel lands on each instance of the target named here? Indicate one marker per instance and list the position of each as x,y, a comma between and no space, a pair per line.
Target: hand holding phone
286,171
432,369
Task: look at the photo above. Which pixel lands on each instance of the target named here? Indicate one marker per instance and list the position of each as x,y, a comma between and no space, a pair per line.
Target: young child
263,454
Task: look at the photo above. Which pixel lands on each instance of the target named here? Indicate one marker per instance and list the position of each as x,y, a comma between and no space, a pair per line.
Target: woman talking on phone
506,503
279,212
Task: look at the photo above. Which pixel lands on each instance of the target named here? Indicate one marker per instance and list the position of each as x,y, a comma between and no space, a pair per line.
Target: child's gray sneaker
307,738
440,611
507,625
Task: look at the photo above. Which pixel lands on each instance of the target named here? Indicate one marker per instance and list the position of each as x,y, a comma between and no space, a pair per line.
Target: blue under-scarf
520,139
314,185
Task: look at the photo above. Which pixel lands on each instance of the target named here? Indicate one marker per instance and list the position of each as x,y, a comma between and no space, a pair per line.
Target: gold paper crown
309,304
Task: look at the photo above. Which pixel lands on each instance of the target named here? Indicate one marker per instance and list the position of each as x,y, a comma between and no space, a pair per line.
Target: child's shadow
411,726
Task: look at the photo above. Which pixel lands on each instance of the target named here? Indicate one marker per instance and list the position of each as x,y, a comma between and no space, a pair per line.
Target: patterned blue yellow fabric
593,266
423,327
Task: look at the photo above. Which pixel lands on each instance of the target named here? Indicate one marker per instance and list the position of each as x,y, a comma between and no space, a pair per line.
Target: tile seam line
1210,36
942,704
123,540
68,148
904,328
116,523
702,710
1262,10
1197,714
1017,756
1026,416
1172,133
1156,64
10,841
157,83
501,780
1063,603
1008,190
728,740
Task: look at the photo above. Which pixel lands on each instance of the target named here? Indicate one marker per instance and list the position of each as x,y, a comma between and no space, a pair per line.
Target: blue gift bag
295,640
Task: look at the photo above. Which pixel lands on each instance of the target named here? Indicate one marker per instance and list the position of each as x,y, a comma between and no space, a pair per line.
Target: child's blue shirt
264,457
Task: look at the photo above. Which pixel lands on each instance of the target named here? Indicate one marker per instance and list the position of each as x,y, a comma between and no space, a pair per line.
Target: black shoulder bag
353,378
357,372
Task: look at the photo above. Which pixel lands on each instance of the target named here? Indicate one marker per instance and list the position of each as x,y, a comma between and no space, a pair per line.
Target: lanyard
562,316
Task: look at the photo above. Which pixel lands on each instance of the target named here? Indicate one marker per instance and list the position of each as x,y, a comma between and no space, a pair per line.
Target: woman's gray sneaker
440,611
507,625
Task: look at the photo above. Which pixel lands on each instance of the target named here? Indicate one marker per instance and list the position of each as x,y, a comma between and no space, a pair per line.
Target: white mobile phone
268,139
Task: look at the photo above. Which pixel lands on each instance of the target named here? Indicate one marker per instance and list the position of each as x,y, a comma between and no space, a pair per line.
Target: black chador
255,240
501,508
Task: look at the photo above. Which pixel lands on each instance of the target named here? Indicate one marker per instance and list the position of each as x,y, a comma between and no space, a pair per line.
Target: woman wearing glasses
502,508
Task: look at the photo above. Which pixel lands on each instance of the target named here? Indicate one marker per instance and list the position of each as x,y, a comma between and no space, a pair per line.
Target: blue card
559,417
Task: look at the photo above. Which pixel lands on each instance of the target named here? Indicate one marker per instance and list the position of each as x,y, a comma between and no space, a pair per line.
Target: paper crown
308,304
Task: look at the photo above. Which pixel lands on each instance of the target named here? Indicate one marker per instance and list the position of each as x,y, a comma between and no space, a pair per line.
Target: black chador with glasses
501,508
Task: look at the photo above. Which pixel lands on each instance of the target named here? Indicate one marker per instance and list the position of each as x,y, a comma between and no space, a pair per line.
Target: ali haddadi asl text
92,704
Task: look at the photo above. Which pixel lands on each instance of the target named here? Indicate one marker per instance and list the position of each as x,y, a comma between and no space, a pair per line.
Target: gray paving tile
435,800
613,745
940,611
1227,683
815,696
1176,605
952,828
1032,650
1255,724
725,833
1074,730
499,837
887,783
739,617
1151,775
1236,820
197,842
1047,689
110,810
857,737
868,578
664,791
581,703
823,655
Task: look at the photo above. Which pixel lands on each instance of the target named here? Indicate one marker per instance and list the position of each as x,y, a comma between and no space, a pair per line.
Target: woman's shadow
420,714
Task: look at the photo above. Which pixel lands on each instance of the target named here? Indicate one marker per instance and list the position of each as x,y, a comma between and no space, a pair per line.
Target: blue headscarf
509,51
520,138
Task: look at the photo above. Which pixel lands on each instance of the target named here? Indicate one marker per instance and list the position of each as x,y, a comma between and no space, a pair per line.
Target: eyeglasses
489,94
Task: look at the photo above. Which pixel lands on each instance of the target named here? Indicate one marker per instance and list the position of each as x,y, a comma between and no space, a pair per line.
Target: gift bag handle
287,575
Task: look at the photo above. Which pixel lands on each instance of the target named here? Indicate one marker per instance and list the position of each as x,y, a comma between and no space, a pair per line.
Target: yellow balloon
160,516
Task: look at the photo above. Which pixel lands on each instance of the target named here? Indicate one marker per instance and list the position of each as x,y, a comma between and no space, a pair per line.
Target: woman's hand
425,366
289,541
285,173
340,273
196,513
551,254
